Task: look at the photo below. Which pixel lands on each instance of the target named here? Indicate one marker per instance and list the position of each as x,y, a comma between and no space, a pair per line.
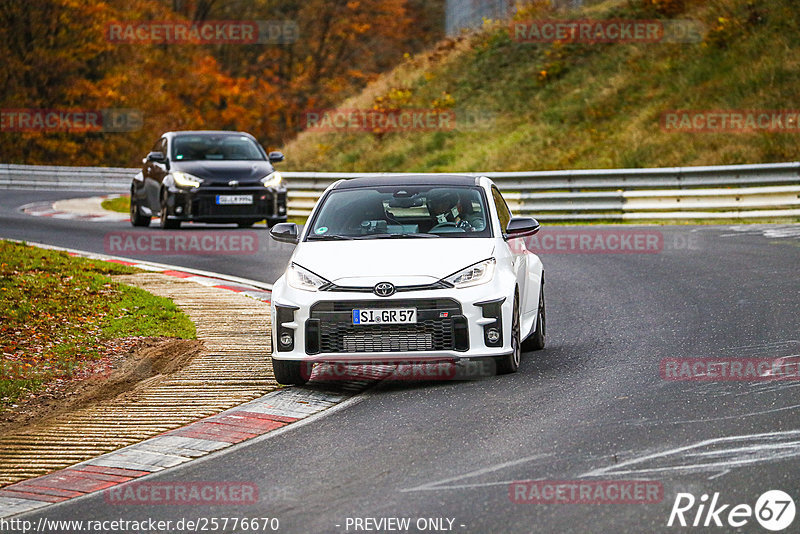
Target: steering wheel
447,224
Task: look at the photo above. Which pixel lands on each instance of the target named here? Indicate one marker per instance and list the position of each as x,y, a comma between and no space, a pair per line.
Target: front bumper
452,325
201,205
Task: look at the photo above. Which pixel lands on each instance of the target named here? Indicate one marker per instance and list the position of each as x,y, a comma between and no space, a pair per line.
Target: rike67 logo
774,510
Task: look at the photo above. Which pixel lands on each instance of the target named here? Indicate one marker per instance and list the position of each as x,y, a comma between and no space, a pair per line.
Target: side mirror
158,157
275,157
521,227
285,232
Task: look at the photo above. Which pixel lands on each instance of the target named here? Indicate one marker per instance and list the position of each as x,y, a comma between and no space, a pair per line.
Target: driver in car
450,207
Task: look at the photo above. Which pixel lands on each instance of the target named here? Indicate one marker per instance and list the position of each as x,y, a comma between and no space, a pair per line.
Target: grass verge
59,315
119,204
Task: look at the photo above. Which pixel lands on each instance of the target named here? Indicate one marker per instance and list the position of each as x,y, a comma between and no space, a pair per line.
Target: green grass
58,313
598,106
119,204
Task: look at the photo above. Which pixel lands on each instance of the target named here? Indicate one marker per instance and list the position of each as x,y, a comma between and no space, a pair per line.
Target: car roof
408,179
205,132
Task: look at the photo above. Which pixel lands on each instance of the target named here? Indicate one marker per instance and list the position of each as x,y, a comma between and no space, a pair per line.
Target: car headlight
183,179
479,273
300,278
273,179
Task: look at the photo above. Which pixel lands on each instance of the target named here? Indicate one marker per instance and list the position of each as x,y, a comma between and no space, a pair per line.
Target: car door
515,251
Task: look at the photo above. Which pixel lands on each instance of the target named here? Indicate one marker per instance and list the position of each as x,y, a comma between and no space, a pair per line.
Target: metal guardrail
100,179
731,191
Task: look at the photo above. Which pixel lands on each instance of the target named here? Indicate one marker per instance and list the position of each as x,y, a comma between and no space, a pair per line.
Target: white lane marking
438,485
782,361
468,486
720,474
767,345
769,387
717,454
775,231
711,419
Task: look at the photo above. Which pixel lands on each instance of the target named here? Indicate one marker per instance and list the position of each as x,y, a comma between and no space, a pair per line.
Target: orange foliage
56,55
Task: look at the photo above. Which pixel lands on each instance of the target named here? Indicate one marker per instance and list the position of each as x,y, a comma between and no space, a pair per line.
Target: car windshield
401,212
215,147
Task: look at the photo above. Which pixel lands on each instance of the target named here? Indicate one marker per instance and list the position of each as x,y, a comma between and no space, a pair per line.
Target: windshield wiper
393,236
327,237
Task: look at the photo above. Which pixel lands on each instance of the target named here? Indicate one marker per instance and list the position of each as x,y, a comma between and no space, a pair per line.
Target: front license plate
234,199
385,316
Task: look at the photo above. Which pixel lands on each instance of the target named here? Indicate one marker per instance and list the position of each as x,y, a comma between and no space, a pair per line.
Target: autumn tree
57,55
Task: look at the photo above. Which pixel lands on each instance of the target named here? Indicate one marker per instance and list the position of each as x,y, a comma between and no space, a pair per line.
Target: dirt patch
131,363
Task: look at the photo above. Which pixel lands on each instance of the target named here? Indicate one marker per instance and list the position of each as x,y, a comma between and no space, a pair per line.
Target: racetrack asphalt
592,406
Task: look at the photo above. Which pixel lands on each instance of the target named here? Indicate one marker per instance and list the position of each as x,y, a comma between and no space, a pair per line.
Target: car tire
290,372
510,363
536,340
137,219
165,222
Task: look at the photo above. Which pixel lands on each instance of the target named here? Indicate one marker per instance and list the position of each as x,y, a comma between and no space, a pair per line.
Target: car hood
224,171
400,261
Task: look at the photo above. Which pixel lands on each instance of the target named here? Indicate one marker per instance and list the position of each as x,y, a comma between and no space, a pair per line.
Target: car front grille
440,326
388,341
206,204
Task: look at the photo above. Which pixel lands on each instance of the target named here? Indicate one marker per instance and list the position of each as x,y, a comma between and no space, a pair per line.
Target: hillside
582,105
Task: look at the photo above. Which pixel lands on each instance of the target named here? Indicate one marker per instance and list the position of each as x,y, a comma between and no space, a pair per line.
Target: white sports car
407,268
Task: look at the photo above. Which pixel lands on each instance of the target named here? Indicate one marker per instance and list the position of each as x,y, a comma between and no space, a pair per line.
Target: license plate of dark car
234,199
